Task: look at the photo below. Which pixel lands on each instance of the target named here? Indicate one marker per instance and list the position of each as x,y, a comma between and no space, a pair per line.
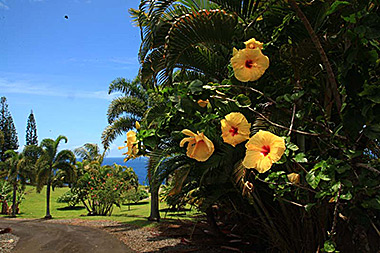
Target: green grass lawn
34,207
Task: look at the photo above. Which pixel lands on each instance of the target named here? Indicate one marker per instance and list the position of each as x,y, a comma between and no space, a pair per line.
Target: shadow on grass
68,208
130,225
136,204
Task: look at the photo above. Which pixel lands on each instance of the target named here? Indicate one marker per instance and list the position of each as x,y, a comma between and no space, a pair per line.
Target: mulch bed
7,240
166,236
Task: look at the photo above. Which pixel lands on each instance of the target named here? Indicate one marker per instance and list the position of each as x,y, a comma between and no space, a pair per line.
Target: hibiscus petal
201,151
184,140
251,159
264,164
188,132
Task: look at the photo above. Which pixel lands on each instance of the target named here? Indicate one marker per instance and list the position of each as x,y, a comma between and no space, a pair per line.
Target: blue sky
61,68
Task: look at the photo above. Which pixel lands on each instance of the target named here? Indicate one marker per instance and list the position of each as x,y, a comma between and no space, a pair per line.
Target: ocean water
139,166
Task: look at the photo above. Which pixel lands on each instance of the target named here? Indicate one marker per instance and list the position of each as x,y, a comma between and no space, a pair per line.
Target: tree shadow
70,208
136,204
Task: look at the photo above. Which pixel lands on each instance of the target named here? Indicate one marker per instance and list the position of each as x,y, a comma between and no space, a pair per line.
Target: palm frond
65,156
214,27
245,9
59,139
128,88
42,176
89,151
117,128
121,105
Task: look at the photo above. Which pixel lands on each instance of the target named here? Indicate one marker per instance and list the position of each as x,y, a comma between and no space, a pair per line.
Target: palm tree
124,110
16,167
50,163
89,152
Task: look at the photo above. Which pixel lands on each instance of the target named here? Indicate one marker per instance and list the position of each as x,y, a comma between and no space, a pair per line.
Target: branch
247,88
367,167
322,54
266,119
332,233
292,121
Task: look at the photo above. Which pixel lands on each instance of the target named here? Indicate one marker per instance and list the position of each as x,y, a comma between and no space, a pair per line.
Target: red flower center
265,150
248,64
233,131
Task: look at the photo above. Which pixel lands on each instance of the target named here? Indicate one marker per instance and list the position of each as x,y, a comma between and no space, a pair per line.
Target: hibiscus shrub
288,151
99,190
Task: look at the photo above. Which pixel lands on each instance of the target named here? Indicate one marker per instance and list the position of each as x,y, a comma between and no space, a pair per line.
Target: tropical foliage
102,188
54,167
313,152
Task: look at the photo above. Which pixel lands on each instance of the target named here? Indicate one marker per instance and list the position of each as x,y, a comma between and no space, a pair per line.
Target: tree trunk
154,205
14,200
215,230
48,216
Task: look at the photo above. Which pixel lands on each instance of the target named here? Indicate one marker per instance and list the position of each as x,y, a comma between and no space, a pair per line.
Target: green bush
70,198
136,195
99,190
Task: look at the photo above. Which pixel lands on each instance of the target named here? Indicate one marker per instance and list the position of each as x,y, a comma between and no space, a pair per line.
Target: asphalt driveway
42,236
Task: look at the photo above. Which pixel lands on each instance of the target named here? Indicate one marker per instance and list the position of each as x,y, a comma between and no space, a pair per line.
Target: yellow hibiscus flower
137,125
294,178
131,144
131,138
253,43
199,148
249,64
263,149
235,128
203,103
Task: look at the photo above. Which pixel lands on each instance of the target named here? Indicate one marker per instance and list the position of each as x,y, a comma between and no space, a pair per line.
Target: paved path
42,236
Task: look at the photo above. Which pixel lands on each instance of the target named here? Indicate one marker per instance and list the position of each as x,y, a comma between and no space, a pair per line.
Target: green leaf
372,131
243,101
196,87
335,6
371,92
351,18
372,203
329,246
300,158
292,146
346,196
309,206
312,179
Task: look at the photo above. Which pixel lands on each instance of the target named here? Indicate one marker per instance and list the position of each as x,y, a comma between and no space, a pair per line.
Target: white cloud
3,5
28,87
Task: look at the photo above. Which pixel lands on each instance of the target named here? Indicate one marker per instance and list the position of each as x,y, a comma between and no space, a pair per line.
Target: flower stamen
249,64
234,131
265,150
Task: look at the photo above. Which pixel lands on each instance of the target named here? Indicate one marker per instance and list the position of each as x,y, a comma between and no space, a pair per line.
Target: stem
267,120
247,88
367,167
292,120
322,54
335,213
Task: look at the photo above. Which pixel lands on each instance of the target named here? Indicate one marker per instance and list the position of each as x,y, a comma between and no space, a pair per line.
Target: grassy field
34,206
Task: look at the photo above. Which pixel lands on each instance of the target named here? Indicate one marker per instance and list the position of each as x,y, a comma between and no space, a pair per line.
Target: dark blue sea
138,165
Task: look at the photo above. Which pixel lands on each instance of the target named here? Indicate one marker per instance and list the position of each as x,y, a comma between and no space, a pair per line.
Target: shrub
70,198
100,189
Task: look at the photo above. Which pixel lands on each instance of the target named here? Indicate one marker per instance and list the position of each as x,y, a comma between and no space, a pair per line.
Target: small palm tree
15,173
50,163
89,152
